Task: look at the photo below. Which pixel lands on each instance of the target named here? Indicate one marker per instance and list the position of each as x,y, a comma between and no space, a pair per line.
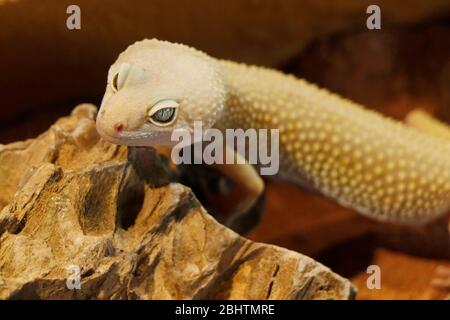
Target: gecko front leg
248,185
234,197
237,191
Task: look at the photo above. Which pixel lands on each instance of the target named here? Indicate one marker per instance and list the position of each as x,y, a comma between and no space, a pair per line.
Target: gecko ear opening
163,113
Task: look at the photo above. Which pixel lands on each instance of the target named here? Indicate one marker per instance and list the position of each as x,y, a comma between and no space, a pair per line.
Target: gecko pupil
164,115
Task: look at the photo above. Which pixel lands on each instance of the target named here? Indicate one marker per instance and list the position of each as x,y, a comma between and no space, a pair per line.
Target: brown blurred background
47,69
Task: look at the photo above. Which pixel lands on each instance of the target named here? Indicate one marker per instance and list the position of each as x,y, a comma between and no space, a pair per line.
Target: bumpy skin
380,167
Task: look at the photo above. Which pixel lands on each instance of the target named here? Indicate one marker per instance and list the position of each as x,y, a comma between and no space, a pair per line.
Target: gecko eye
163,113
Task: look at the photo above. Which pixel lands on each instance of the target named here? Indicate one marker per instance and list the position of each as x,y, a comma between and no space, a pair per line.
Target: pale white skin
379,167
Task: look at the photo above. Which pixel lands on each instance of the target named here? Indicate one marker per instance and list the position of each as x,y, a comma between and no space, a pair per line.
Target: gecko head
156,87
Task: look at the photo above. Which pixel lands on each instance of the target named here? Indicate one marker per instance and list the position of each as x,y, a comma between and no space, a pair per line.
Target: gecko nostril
118,127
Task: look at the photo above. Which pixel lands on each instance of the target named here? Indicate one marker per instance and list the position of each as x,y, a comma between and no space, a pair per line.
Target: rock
74,205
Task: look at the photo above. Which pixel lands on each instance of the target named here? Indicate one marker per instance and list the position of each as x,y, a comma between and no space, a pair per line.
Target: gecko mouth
137,139
108,137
